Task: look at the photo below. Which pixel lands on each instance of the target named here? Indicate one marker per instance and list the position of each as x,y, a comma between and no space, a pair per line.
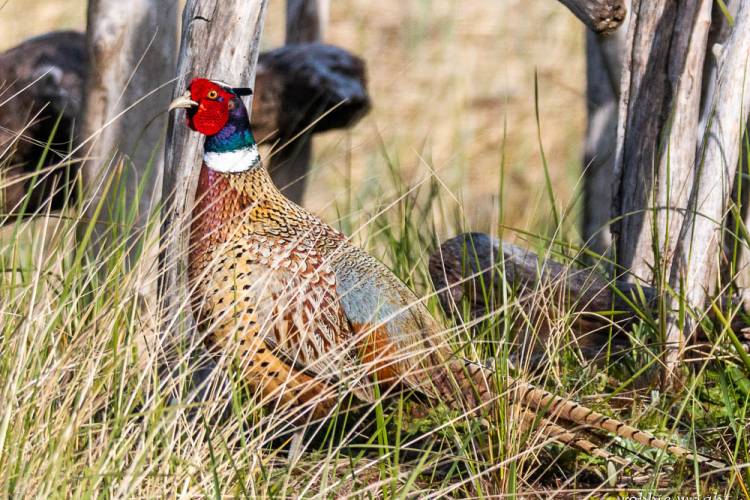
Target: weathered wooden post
131,48
306,20
697,259
658,118
220,40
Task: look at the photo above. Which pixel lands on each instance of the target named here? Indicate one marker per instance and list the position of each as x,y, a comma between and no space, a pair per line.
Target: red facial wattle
213,107
209,118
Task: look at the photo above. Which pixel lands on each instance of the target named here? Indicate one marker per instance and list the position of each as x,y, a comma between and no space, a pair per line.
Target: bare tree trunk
220,40
131,47
740,274
604,55
599,149
696,263
659,110
289,167
600,16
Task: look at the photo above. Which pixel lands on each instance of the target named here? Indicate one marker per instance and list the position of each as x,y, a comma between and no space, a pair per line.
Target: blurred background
453,92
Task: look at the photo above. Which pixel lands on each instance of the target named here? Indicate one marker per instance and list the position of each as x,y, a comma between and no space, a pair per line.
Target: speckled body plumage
309,316
328,305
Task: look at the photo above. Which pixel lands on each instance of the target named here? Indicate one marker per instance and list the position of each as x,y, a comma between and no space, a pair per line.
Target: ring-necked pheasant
307,315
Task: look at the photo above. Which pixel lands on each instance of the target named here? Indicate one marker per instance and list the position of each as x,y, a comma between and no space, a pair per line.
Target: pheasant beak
184,101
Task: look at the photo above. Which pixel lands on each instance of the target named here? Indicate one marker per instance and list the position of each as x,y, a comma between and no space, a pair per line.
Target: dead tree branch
52,69
599,147
600,16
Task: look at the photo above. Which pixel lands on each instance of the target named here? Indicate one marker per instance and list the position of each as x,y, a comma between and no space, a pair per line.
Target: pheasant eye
212,94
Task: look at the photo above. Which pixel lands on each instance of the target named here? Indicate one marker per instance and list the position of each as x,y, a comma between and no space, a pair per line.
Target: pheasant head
231,177
216,110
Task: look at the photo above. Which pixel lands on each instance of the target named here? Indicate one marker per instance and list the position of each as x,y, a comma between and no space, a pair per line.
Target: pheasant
306,315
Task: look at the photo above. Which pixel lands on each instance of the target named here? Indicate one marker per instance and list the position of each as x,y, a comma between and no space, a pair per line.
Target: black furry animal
41,81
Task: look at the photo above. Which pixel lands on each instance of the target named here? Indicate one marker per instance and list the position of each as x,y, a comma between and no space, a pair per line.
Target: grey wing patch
371,294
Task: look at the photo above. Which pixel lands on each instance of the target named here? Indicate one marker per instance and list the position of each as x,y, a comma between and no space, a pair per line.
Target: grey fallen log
474,267
600,16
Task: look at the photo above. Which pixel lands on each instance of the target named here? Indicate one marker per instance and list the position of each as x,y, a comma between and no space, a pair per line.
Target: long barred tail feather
474,392
558,407
569,438
469,386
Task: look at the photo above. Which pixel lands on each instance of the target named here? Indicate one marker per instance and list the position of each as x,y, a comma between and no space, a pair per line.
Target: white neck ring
229,162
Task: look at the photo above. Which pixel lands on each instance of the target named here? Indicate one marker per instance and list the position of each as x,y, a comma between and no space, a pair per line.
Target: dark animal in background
310,85
298,86
40,81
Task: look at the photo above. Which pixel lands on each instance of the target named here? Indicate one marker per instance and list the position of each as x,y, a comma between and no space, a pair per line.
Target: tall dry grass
96,400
